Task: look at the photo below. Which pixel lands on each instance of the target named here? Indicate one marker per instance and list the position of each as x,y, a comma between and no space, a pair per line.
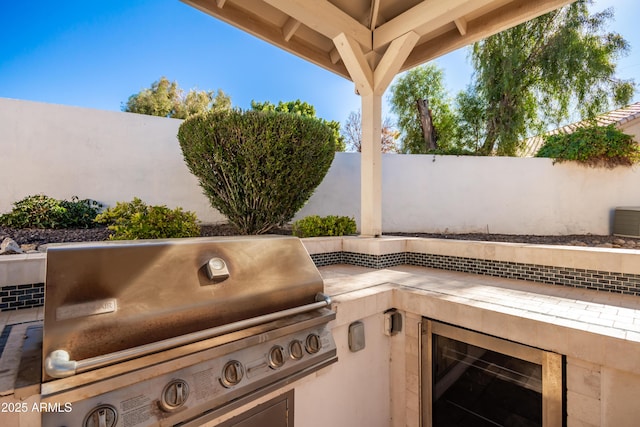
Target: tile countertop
599,327
13,326
595,326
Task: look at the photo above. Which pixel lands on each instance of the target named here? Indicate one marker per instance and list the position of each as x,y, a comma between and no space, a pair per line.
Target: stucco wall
503,195
482,194
110,156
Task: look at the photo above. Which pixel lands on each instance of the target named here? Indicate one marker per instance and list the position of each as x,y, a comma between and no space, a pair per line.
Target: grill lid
110,296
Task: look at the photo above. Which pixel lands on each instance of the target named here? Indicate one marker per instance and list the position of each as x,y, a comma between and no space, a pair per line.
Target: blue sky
97,53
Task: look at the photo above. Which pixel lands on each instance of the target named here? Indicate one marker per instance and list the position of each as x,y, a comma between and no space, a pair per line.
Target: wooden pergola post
371,80
371,166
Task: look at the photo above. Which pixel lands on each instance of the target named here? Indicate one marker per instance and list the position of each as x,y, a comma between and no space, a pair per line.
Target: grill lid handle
58,363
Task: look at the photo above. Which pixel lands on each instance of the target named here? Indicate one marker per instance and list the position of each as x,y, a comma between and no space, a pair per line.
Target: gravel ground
30,239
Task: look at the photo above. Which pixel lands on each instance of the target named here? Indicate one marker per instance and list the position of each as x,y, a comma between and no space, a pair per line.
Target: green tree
166,99
423,82
470,120
304,109
295,107
200,101
536,73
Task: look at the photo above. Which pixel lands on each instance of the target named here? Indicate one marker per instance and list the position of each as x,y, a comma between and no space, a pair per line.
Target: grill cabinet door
277,412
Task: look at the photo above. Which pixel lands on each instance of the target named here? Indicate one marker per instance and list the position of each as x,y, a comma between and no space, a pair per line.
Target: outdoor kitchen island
601,370
381,377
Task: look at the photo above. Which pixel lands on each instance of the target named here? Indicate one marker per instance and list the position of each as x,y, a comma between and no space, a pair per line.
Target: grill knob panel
276,357
174,395
313,344
101,416
295,350
232,373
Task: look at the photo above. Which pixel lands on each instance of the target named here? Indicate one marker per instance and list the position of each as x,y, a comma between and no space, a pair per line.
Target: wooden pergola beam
289,28
334,55
392,61
461,25
375,10
325,18
240,19
356,63
508,16
423,18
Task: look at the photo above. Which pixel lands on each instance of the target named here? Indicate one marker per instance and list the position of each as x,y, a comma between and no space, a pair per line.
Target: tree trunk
428,131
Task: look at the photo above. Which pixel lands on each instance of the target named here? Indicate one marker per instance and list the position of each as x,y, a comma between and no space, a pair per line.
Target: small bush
314,225
135,220
257,168
41,211
593,146
80,213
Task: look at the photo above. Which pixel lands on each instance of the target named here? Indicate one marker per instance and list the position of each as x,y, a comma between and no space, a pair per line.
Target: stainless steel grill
178,331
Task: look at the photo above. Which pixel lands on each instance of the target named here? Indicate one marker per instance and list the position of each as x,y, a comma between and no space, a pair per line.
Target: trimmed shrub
593,145
257,168
80,213
135,220
41,211
314,225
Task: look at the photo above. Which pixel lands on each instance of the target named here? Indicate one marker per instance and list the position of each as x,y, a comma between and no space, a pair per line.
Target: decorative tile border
606,281
21,296
373,261
361,260
32,295
328,258
577,278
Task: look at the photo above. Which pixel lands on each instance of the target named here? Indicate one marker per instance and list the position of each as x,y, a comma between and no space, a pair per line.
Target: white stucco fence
109,156
504,195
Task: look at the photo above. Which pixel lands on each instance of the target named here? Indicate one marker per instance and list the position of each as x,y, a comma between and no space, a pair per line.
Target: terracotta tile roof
620,117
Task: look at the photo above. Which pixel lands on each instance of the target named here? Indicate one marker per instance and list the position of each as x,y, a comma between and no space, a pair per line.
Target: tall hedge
257,168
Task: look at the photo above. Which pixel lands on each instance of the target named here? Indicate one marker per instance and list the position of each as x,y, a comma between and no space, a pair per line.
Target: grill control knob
101,416
295,350
313,344
232,373
174,395
276,357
